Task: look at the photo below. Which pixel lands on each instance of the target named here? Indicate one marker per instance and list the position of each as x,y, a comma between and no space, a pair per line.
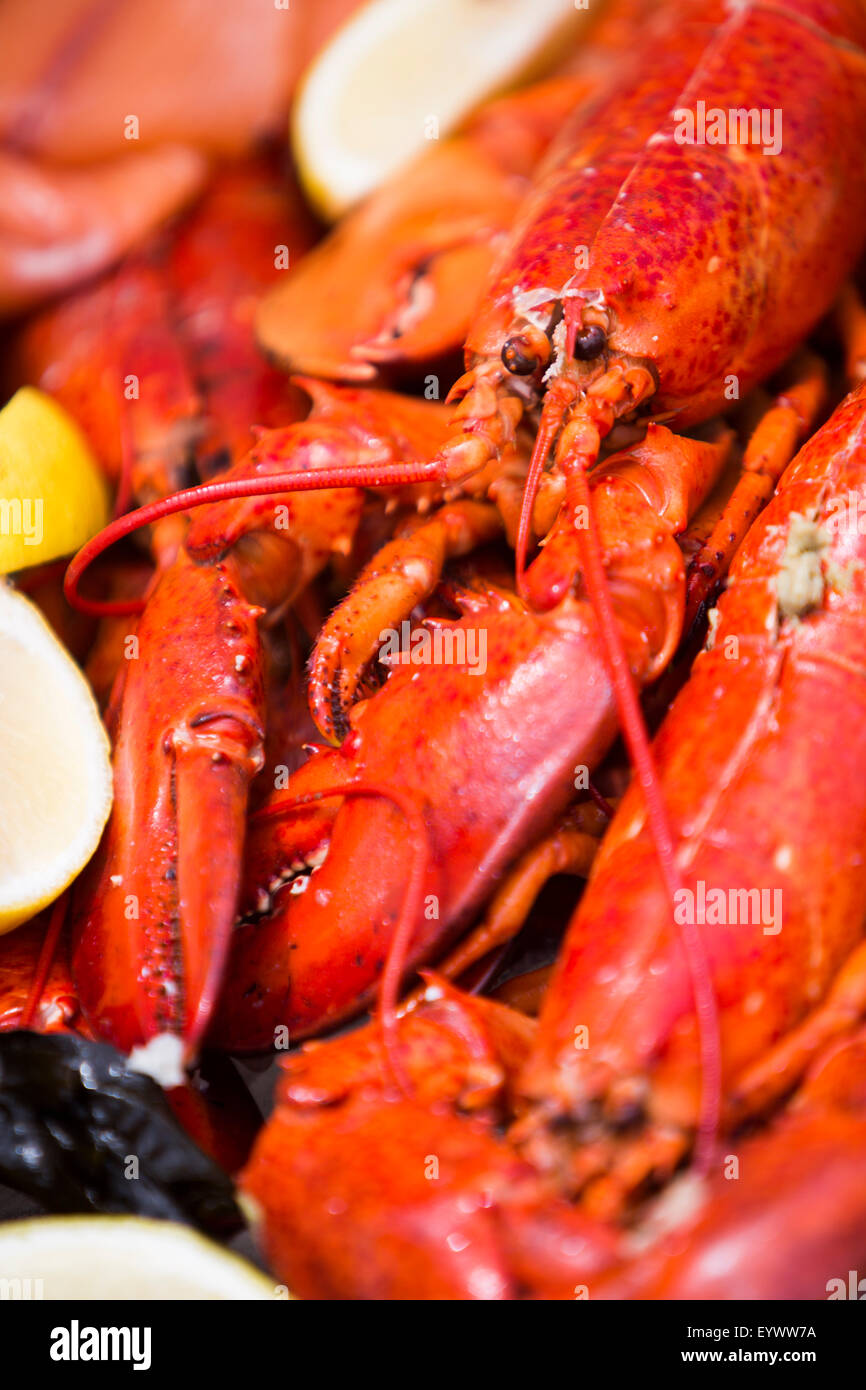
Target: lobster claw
393,285
153,920
157,905
313,953
416,263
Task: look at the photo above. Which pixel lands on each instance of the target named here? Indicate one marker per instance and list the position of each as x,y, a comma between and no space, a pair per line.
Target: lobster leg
401,575
769,451
525,992
851,318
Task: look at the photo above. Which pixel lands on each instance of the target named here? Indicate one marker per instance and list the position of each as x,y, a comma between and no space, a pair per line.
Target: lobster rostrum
524,1158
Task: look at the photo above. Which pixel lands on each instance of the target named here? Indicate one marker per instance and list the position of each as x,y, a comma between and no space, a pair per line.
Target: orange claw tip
435,318
393,286
313,343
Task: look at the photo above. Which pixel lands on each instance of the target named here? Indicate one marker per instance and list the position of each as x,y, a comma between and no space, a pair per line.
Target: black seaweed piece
71,1115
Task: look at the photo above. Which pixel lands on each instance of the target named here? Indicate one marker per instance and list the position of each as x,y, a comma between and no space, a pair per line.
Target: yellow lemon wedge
400,74
123,1257
52,494
55,766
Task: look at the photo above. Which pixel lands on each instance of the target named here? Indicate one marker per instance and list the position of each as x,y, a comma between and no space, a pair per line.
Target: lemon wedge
125,1257
400,74
52,494
55,767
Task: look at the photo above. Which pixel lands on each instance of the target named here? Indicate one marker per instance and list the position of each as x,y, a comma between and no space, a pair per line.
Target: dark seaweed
73,1116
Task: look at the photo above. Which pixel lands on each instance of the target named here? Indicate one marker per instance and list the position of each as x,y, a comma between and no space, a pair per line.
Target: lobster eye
518,357
590,342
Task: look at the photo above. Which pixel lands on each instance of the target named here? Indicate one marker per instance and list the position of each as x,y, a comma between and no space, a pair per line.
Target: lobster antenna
293,480
551,418
123,495
410,911
634,732
601,801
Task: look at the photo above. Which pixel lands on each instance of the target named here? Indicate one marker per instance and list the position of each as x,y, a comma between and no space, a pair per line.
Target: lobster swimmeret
601,1094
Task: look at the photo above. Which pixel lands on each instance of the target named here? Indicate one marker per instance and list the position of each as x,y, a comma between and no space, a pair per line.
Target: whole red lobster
598,1102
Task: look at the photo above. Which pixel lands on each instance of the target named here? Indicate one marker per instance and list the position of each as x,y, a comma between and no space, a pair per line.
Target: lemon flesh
122,1257
53,496
55,766
398,75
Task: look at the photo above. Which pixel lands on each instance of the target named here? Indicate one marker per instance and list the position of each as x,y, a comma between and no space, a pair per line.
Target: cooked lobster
520,1154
